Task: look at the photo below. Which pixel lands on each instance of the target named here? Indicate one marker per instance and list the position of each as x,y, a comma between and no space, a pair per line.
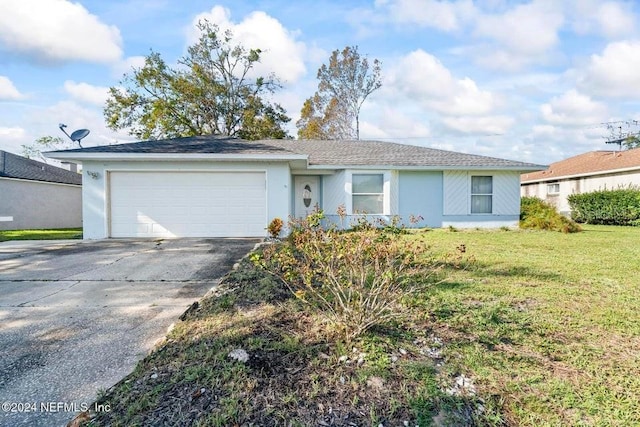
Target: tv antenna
76,135
621,132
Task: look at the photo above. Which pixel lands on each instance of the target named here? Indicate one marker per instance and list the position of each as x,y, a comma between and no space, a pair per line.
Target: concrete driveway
76,316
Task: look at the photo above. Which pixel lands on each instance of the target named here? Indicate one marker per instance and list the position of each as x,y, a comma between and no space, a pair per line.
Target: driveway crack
24,304
117,260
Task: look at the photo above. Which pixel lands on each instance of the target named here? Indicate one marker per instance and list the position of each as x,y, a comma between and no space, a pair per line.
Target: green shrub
610,207
356,279
539,215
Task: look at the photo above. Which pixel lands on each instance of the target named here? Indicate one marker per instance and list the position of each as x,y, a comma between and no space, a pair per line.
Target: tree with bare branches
334,110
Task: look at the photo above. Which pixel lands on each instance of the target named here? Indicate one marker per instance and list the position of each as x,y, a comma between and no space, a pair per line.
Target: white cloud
491,125
428,95
57,31
614,72
615,20
610,19
524,34
543,130
423,78
552,143
530,28
84,92
76,116
574,109
442,15
12,133
282,54
8,92
127,65
389,121
40,121
372,131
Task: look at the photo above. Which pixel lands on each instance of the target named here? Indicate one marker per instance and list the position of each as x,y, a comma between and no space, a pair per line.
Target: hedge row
612,207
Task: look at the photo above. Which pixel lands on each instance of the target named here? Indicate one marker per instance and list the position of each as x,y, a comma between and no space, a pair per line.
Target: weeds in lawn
542,330
542,322
356,279
540,215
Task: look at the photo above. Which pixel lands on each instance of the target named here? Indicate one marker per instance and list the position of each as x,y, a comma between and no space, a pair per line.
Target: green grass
548,322
545,324
56,234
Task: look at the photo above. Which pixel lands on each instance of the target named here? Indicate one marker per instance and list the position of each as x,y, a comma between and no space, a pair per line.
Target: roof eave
582,175
515,168
140,157
42,181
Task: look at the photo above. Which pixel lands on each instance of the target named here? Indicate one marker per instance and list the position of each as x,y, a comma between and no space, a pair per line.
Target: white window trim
553,193
492,194
386,190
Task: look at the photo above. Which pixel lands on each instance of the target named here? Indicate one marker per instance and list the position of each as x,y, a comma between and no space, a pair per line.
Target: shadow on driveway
76,316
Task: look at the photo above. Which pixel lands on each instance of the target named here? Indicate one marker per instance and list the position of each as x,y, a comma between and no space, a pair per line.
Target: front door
307,194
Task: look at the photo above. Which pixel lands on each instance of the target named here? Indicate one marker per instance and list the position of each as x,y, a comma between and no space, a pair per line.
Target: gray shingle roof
14,166
325,153
191,144
370,153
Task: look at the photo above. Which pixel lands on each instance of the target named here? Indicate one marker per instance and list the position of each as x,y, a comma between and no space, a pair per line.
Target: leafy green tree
262,121
44,143
210,91
334,110
632,141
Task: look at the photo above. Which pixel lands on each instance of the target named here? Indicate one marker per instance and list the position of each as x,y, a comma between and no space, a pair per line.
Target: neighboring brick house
592,171
35,195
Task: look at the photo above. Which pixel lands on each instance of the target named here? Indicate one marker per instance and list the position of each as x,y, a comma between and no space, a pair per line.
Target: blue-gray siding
420,193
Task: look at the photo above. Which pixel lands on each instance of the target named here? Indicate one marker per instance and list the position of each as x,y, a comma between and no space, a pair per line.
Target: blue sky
524,80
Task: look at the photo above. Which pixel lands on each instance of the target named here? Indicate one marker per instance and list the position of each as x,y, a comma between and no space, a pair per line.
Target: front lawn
546,323
541,329
55,234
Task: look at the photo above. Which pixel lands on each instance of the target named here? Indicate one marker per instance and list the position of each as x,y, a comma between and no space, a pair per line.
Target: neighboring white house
212,186
592,171
34,195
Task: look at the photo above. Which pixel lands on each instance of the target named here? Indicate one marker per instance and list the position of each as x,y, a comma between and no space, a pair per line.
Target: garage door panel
187,204
158,230
171,213
134,229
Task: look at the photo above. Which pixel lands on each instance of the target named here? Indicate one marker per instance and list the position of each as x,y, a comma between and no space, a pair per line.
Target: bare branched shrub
357,279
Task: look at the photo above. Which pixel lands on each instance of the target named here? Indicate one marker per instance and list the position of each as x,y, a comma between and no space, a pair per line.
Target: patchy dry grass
297,372
545,325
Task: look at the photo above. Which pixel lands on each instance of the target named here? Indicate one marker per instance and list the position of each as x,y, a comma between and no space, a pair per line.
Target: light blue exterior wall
421,195
333,191
440,198
457,199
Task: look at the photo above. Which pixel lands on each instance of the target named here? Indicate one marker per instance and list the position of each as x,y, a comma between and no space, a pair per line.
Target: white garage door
187,204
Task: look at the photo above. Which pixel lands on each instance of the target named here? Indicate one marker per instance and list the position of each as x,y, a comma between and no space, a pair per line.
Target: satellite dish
76,135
